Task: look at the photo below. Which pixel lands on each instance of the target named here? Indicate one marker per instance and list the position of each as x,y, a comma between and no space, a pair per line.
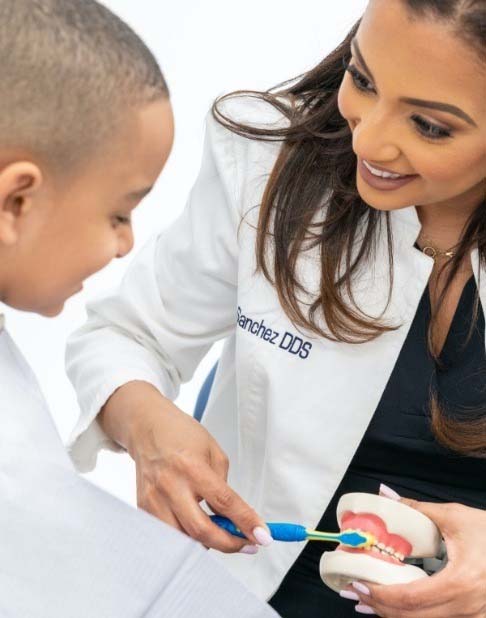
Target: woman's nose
375,139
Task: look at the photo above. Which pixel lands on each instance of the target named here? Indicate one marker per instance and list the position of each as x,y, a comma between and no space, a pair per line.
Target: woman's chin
380,204
379,200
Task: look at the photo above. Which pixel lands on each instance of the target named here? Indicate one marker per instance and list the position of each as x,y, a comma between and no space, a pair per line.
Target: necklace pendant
430,251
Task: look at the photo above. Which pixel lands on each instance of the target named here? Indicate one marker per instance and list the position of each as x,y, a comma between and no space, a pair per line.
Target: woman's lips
389,547
383,184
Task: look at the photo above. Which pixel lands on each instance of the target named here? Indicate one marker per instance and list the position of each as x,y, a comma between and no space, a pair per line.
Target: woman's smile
381,183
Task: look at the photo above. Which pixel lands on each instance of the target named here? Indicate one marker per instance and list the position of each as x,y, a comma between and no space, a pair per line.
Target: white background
205,49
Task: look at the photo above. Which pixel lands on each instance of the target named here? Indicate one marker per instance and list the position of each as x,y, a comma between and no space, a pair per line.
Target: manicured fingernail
262,536
388,492
364,609
361,588
347,594
249,549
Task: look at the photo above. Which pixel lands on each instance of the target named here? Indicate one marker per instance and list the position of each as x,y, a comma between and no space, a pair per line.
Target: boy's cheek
102,251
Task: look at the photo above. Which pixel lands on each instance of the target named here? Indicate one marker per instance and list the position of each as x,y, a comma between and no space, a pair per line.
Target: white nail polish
262,536
248,549
364,609
388,492
361,588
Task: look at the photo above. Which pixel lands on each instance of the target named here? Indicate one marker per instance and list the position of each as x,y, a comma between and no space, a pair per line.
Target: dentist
336,239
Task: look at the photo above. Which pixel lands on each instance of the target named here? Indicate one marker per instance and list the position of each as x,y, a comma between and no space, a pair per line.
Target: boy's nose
125,244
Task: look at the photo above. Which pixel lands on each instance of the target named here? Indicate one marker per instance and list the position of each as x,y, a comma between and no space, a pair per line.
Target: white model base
339,568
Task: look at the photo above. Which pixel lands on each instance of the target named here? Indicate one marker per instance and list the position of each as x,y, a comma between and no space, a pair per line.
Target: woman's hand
179,464
458,590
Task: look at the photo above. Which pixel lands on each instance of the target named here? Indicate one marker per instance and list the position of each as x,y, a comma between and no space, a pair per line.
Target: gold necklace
435,253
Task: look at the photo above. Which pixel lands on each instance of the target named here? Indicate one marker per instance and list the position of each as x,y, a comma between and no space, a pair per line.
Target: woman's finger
451,609
426,598
157,506
225,501
197,524
219,462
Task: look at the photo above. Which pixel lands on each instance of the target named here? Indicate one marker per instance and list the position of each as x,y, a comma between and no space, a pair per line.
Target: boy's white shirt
70,550
289,423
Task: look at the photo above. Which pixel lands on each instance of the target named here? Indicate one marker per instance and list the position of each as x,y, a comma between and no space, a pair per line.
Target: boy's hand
179,464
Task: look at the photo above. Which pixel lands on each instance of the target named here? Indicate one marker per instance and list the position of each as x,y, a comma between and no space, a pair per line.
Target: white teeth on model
380,173
377,548
387,552
381,548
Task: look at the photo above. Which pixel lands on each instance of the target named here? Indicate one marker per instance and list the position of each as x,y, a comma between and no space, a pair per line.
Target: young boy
85,129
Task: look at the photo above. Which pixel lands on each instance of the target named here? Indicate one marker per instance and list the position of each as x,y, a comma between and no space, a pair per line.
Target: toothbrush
294,532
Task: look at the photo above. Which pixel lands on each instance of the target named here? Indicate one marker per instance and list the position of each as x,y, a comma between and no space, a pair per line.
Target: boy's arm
69,549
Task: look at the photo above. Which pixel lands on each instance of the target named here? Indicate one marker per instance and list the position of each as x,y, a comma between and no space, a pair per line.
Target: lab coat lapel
344,383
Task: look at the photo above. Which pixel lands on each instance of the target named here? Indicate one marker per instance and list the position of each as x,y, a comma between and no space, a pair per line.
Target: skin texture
56,232
178,464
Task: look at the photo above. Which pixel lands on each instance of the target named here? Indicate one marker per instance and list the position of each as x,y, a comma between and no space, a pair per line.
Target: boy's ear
19,182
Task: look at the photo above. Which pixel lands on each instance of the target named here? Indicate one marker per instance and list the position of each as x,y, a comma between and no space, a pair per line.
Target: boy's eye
121,220
425,128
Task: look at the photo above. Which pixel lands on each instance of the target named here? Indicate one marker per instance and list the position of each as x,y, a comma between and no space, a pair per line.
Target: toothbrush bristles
352,538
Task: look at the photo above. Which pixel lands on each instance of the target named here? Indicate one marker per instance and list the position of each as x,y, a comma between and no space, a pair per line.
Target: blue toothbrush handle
228,525
289,533
280,531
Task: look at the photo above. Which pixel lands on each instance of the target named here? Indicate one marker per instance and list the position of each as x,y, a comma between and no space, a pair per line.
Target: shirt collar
408,222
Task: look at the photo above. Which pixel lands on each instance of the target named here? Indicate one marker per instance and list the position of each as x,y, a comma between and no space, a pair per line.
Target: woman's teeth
380,173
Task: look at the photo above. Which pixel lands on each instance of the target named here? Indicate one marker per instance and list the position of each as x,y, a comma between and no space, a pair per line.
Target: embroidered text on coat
287,341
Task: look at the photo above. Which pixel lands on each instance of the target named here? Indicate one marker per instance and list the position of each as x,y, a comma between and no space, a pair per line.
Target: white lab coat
288,408
70,550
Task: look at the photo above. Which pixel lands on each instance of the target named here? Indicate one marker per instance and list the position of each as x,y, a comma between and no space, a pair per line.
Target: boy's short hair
69,71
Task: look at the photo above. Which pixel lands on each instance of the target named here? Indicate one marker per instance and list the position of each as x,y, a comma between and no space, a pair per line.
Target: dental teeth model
399,533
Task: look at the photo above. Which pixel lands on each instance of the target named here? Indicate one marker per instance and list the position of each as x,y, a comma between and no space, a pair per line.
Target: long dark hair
316,158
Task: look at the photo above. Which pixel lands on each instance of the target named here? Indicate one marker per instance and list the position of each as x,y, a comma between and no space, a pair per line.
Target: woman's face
445,150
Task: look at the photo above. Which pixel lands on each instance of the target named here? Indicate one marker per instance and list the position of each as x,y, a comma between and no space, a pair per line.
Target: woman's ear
19,183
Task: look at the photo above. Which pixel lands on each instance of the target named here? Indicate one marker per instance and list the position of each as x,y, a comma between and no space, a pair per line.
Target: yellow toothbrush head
370,539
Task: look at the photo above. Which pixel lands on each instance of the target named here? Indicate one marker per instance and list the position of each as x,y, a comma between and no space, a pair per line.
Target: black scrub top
399,448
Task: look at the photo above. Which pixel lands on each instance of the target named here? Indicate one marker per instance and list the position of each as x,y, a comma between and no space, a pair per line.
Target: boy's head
86,127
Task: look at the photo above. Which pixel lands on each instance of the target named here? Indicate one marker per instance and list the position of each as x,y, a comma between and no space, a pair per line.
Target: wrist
126,414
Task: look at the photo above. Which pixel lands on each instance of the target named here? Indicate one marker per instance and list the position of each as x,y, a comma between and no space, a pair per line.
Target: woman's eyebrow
443,107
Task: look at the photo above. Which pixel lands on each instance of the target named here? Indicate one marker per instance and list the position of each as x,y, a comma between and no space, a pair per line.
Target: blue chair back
202,398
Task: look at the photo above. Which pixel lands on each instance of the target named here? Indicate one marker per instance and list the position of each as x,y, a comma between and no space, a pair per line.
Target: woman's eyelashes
426,129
